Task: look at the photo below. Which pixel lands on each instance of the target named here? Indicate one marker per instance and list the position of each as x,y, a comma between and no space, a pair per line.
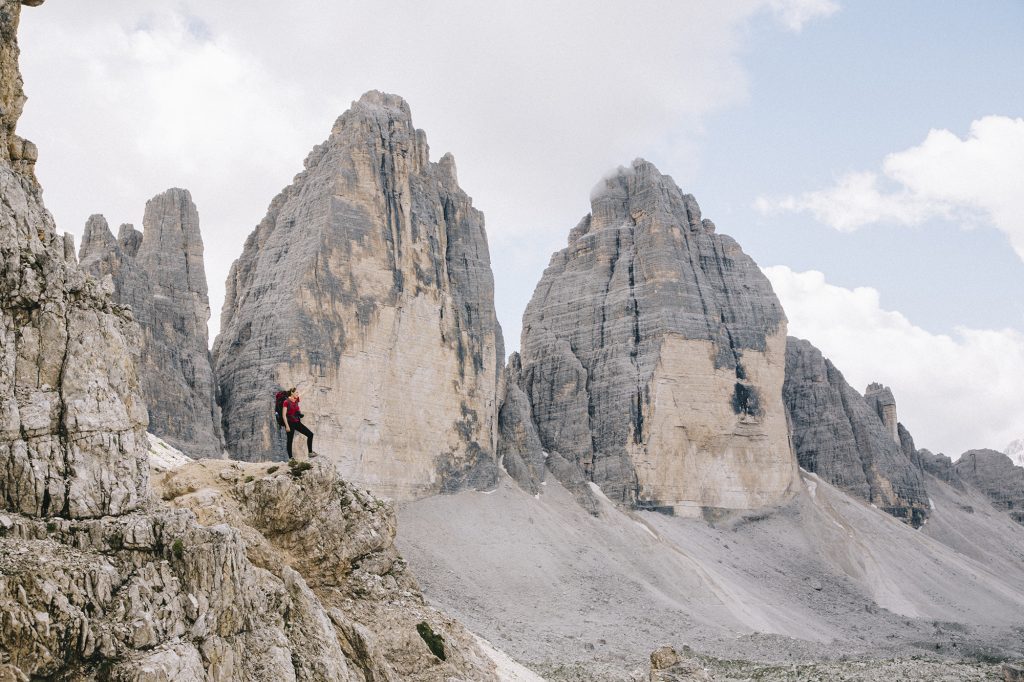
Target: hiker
292,418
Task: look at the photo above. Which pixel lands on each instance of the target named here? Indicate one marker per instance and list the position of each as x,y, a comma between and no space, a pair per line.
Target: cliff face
851,441
99,580
160,274
368,286
994,474
72,422
653,353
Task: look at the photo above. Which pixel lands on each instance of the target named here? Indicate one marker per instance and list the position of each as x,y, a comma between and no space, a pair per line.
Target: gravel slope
825,577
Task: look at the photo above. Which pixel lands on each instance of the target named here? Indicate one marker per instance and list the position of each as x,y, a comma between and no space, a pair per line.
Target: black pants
301,428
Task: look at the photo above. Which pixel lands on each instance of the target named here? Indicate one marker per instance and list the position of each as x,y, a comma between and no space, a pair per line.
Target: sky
869,155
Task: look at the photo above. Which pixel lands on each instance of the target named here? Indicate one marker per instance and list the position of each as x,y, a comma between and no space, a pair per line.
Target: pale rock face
98,578
996,475
72,422
653,353
160,274
368,286
853,442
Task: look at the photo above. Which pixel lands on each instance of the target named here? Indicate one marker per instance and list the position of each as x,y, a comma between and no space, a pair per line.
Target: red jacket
292,407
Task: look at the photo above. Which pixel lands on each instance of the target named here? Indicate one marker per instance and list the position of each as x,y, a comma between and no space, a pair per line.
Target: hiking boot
313,454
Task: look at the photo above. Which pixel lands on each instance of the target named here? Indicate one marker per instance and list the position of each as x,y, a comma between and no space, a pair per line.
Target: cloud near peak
974,180
953,392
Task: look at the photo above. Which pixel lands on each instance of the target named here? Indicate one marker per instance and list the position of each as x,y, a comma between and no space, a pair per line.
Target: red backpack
279,399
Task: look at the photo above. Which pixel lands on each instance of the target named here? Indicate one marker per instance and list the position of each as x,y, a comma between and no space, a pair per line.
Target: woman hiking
292,418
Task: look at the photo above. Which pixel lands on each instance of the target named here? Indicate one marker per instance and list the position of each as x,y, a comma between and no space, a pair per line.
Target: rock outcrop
72,422
653,353
368,286
995,475
520,450
98,579
161,276
854,442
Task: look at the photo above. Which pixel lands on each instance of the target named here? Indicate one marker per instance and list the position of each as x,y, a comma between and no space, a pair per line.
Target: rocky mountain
368,286
652,357
995,475
101,580
854,442
161,276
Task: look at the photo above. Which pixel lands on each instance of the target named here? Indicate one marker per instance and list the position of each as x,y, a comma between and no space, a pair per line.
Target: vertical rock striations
995,475
653,354
160,274
368,286
851,441
98,580
72,422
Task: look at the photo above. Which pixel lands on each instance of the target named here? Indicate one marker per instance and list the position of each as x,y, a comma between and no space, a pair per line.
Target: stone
368,286
882,401
1013,672
520,450
104,577
844,437
995,475
653,353
669,666
161,276
72,420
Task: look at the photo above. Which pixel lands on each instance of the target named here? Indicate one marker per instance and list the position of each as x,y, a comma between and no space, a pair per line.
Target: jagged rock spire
161,275
653,351
368,286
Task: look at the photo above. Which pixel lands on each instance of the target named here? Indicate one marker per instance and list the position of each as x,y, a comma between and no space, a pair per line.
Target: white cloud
535,100
794,14
953,392
974,180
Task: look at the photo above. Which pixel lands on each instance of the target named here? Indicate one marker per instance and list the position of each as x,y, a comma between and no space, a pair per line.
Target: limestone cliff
994,474
653,353
161,276
99,580
368,286
852,441
72,422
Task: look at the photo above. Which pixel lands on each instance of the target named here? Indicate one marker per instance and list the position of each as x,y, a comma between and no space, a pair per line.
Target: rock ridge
160,274
852,441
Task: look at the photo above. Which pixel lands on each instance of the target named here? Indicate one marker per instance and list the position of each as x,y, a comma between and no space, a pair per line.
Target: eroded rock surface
653,353
100,580
161,275
852,441
368,286
995,475
72,422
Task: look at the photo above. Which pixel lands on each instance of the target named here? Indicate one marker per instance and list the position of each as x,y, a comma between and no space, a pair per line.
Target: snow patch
812,488
931,504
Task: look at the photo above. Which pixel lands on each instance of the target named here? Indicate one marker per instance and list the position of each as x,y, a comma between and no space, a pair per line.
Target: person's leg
291,435
301,428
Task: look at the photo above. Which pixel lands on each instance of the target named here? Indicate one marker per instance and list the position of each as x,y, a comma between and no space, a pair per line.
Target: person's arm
284,416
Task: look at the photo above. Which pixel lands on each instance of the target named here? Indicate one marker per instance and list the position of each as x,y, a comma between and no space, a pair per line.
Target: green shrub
435,642
272,469
249,479
299,467
178,548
